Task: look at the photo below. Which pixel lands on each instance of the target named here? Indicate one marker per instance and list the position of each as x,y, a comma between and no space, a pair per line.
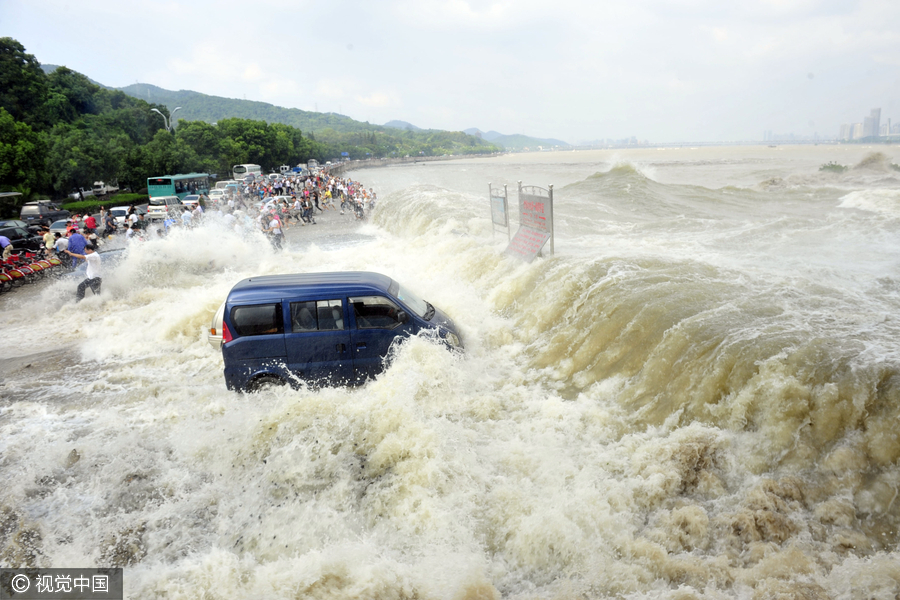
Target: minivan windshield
416,304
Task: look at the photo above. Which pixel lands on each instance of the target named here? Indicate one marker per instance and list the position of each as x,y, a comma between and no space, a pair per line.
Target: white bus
241,171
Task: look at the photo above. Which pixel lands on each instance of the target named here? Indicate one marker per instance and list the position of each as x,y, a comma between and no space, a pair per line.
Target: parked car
162,207
59,227
101,188
42,213
22,239
62,225
324,328
33,227
120,213
14,223
81,193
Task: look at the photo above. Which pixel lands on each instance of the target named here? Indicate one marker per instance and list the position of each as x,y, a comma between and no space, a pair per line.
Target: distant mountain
515,141
519,142
485,135
402,125
202,107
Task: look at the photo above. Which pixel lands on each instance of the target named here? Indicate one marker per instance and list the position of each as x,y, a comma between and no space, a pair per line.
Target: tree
77,156
78,90
21,154
203,138
23,84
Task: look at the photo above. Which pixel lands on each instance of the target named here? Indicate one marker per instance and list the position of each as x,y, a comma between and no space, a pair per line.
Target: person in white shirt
93,273
133,233
61,244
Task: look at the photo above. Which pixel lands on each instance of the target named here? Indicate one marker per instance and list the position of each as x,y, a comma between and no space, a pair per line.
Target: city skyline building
870,127
872,123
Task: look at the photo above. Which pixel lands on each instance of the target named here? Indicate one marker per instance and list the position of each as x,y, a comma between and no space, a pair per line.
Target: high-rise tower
872,123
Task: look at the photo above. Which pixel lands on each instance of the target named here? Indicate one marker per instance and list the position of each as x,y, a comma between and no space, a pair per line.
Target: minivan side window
260,319
375,312
321,315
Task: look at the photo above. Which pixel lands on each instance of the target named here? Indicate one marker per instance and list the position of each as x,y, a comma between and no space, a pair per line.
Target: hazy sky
662,70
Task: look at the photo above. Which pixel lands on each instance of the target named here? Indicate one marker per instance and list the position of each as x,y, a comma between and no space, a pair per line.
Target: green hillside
358,139
202,107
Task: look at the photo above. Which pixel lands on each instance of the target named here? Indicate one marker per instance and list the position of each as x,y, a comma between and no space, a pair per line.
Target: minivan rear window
260,319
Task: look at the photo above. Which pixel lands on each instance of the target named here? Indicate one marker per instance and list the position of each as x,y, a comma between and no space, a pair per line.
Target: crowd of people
272,206
265,205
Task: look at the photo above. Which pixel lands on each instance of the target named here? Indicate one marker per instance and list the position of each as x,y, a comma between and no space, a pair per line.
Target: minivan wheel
264,383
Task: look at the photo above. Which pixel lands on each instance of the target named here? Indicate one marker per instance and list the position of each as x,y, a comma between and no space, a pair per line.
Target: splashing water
696,397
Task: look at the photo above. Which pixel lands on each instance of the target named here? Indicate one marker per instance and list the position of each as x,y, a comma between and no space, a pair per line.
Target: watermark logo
61,584
20,583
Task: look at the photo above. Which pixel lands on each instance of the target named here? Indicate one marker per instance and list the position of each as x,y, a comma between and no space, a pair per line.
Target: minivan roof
345,282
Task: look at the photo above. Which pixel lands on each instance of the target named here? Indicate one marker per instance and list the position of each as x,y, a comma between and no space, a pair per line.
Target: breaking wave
697,396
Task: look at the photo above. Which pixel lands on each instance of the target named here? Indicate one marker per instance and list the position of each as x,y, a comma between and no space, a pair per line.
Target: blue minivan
322,328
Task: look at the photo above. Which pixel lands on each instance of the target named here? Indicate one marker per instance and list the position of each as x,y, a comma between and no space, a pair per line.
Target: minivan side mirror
402,316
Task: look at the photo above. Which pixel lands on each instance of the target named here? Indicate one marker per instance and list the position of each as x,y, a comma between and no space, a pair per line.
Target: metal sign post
499,209
552,231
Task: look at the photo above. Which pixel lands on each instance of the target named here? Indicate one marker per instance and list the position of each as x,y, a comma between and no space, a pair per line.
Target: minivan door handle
340,348
360,345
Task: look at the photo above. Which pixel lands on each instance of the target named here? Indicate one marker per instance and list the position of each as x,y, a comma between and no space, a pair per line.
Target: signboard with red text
536,208
535,222
527,243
